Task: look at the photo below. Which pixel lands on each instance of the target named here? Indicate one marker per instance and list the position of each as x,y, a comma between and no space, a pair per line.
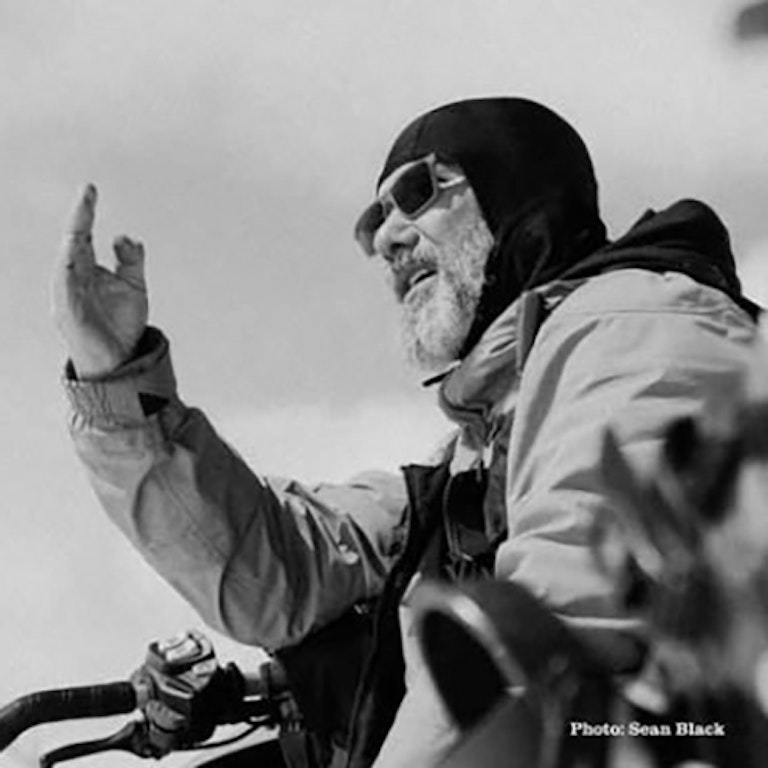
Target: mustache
406,272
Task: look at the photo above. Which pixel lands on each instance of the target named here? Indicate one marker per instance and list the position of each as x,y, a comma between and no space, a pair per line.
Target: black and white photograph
384,385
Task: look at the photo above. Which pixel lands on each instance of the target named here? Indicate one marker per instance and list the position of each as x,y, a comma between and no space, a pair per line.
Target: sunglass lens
365,229
414,189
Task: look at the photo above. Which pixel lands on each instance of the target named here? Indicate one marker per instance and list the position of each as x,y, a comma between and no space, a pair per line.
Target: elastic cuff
137,389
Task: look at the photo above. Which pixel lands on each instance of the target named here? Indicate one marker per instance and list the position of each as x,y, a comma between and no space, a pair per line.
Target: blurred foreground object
692,545
511,675
752,22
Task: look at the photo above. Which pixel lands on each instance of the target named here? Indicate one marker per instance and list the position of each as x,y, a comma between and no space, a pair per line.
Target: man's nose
395,237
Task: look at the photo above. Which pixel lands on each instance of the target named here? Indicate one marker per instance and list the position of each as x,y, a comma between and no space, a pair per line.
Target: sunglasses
415,190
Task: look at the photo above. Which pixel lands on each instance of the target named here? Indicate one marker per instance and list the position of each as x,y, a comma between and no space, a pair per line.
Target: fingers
130,261
78,247
82,221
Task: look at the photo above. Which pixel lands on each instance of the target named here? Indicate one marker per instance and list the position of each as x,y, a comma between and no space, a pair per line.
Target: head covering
534,182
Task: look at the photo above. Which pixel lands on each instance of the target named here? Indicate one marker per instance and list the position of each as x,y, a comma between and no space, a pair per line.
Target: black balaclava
533,180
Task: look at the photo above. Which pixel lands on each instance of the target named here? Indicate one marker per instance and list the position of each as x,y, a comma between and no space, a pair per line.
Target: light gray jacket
266,560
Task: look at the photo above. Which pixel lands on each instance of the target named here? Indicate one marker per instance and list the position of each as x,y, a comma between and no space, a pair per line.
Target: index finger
82,220
78,247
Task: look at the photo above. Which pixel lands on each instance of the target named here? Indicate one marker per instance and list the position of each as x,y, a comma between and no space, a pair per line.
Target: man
543,333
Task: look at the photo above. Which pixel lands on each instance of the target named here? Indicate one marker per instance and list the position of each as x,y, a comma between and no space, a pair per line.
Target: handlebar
66,704
181,693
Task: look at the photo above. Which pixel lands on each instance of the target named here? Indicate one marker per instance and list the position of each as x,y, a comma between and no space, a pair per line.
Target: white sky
239,140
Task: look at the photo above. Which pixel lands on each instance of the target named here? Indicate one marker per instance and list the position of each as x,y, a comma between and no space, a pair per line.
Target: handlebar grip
64,704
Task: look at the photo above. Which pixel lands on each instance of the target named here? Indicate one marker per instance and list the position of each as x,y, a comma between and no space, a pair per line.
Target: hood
513,151
534,182
687,237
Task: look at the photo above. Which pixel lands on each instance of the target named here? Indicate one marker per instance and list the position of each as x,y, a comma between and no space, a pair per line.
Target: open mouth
411,277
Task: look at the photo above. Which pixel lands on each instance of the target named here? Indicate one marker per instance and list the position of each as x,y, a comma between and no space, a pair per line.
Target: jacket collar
483,387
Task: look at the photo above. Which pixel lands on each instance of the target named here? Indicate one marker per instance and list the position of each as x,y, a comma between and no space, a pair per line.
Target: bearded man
542,333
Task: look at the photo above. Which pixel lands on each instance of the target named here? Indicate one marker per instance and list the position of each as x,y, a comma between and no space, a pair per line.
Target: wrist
95,365
107,362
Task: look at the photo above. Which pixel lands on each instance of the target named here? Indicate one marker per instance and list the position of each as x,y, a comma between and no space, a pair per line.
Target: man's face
436,263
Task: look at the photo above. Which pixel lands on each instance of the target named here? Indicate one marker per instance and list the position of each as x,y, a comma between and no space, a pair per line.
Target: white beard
437,315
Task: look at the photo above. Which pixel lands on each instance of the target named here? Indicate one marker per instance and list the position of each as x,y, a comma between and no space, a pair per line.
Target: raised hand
100,313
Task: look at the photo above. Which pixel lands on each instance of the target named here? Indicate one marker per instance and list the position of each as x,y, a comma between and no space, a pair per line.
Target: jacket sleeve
634,371
265,560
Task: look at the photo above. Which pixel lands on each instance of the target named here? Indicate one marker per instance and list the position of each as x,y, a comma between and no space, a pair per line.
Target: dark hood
513,151
534,182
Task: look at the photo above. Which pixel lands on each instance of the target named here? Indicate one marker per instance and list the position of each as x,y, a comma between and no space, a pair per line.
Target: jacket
269,560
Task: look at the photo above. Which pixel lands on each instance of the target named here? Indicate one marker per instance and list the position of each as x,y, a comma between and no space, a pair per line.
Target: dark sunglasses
415,190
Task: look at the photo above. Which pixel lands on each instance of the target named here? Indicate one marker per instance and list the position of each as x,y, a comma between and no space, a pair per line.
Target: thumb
130,261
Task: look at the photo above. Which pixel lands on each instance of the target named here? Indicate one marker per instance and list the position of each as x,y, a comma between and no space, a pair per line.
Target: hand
100,313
